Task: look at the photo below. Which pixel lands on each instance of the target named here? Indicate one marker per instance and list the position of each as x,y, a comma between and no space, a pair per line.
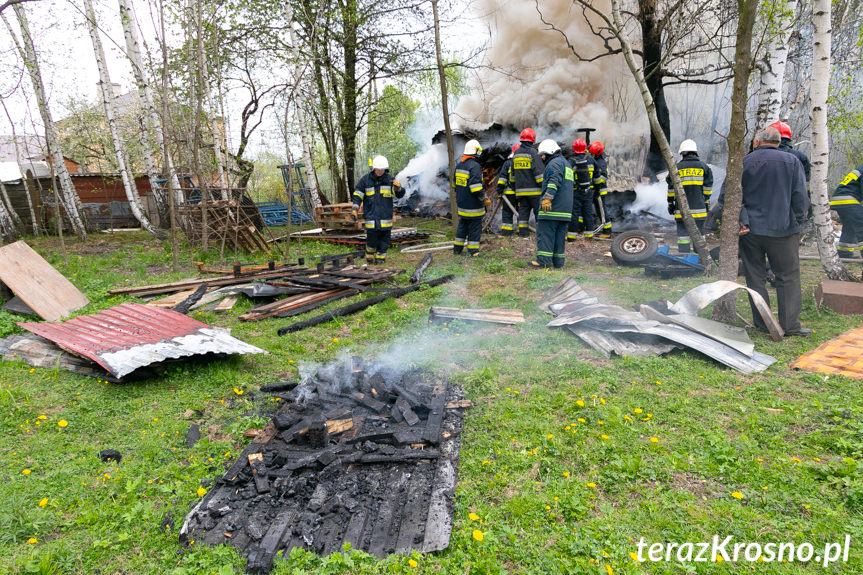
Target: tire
634,247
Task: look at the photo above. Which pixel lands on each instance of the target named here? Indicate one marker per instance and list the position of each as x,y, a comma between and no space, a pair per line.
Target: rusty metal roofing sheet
131,335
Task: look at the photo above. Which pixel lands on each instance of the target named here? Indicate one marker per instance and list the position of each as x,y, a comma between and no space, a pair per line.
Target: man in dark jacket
585,179
555,207
375,191
846,201
507,193
697,180
774,207
470,200
527,170
597,150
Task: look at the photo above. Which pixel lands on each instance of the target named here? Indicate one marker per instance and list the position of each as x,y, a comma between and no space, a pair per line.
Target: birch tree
778,19
8,228
69,199
107,91
19,160
820,142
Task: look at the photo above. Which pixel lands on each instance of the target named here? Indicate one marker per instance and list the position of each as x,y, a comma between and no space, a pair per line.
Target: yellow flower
201,492
627,418
335,340
509,389
634,556
238,391
737,495
486,462
62,423
413,564
608,568
602,400
43,503
566,473
25,471
579,403
592,485
795,460
637,410
604,436
32,541
549,436
473,516
581,420
547,507
478,535
42,417
816,459
600,422
654,440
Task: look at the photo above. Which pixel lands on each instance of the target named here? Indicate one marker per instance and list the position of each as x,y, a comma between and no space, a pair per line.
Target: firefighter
506,191
846,201
597,150
376,190
785,146
555,207
585,172
527,170
697,181
470,199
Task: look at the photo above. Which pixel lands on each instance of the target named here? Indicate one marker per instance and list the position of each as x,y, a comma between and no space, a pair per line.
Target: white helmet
687,146
548,146
472,148
380,163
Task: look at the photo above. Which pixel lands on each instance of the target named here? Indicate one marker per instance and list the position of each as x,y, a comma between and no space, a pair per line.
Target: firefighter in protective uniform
470,200
505,190
597,150
697,180
585,173
847,201
375,192
785,146
555,207
527,170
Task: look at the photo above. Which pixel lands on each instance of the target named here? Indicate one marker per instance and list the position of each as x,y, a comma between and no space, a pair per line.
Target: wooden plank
378,545
171,300
435,416
35,281
263,559
227,303
259,472
415,512
339,425
504,316
356,525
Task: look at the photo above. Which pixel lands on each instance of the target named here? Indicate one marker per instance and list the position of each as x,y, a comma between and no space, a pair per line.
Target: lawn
568,459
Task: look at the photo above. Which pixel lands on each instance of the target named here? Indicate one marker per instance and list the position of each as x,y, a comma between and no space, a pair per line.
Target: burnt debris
360,453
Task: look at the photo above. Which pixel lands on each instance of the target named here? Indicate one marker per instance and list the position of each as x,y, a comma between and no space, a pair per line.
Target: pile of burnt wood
360,453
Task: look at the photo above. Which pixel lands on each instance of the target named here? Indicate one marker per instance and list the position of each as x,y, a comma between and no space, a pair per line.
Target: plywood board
36,282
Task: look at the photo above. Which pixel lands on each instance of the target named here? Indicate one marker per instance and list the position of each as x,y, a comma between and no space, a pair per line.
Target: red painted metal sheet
132,335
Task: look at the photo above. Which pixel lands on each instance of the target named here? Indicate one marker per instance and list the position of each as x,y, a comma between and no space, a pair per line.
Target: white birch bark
70,200
8,228
818,91
772,63
18,160
107,90
311,176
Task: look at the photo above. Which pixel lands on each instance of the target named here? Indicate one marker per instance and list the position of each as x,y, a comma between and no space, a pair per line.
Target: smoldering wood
421,268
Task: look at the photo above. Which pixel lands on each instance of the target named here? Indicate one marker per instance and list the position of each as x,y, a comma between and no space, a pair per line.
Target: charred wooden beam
421,268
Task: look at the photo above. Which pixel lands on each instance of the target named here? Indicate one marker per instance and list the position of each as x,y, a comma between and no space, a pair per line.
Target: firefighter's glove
670,209
396,184
545,205
486,202
354,213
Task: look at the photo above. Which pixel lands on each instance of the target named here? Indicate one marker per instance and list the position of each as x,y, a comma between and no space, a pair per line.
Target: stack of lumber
338,216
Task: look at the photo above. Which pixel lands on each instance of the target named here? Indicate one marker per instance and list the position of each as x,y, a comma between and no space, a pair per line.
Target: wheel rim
634,245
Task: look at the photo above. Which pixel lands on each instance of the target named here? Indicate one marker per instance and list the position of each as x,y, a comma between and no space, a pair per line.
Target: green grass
550,494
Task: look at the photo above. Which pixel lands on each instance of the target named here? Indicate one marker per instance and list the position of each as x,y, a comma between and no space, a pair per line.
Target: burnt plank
263,560
354,532
370,402
259,472
440,507
297,430
415,511
386,510
436,413
409,416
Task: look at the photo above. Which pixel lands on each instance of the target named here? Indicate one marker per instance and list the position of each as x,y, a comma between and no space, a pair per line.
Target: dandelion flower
633,555
795,460
335,340
604,436
238,391
602,400
627,418
42,417
737,495
579,403
592,485
25,471
547,507
654,440
43,503
201,492
32,541
637,410
608,568
478,535
581,420
549,436
486,462
473,516
600,422
412,564
62,423
566,473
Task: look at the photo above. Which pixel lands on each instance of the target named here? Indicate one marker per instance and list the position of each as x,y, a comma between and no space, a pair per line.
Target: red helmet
528,135
579,146
784,129
596,148
515,147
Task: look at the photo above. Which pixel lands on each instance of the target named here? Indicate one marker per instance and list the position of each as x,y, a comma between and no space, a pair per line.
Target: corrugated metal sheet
132,335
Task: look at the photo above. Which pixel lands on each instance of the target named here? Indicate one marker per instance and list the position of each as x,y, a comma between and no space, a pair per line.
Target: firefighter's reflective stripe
461,177
683,240
845,247
551,187
555,214
471,213
370,191
571,235
692,180
379,223
696,214
473,245
528,192
843,200
506,227
546,254
852,176
458,241
476,188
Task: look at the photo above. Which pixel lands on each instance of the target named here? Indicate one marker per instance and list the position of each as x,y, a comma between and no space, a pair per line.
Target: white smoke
426,167
652,198
534,79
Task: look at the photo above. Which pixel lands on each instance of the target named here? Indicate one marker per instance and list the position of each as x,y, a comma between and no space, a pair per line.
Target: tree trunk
71,201
311,176
725,308
822,36
107,91
18,160
172,180
778,20
17,224
8,228
447,129
199,110
657,132
651,40
349,97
